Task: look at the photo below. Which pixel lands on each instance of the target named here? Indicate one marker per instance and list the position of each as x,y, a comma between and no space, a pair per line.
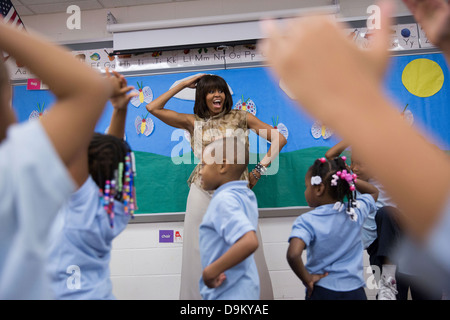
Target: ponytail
339,183
111,165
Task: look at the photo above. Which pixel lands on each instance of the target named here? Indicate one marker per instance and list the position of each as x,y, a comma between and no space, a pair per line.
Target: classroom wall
93,22
143,268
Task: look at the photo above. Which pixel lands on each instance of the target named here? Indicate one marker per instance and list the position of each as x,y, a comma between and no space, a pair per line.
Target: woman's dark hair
105,152
206,84
326,169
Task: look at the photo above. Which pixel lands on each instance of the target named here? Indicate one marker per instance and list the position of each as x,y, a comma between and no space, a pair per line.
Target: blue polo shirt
430,259
334,244
34,185
232,212
369,230
80,246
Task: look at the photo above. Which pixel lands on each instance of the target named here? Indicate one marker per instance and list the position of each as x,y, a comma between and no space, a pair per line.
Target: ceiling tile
62,7
128,3
16,3
39,2
23,11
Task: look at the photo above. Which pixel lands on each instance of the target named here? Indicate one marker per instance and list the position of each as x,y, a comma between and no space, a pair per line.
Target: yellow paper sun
423,77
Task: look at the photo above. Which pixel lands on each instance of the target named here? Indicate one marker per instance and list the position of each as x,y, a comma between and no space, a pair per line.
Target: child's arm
81,93
7,115
213,275
120,104
294,258
366,187
336,150
374,128
79,168
434,17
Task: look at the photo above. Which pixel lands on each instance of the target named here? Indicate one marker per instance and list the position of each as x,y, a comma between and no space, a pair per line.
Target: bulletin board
164,160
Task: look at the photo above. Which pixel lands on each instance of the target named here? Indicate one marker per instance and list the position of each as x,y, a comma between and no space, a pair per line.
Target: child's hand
211,280
313,278
120,98
300,55
434,17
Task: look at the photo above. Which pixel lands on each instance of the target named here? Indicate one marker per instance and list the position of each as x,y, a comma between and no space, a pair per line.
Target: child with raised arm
331,233
380,232
96,213
228,230
34,156
425,205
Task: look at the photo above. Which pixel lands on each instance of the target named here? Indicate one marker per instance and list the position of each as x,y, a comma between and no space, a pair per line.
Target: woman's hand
192,82
252,180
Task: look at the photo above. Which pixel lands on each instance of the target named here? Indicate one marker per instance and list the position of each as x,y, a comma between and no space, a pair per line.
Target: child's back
331,233
80,246
34,156
233,211
35,184
334,244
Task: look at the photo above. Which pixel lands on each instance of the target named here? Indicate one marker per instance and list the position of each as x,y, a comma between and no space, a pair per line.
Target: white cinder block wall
143,268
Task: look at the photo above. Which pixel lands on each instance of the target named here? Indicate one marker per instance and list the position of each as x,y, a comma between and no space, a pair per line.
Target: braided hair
337,181
110,167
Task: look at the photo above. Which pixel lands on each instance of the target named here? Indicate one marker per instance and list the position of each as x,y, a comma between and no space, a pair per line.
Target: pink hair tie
323,160
344,158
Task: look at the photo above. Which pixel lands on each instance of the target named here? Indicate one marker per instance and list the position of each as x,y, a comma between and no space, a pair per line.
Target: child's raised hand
120,97
320,65
434,17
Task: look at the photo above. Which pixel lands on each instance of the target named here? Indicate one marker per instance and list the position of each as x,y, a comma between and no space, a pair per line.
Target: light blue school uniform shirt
333,244
34,184
369,230
80,246
429,260
232,212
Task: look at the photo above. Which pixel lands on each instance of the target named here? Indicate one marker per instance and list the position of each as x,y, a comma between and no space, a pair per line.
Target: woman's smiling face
215,100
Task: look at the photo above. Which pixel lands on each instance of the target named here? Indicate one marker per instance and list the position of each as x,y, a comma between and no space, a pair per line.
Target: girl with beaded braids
96,213
331,233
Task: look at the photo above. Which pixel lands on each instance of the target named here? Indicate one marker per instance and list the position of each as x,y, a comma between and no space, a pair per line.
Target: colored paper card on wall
36,84
165,236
